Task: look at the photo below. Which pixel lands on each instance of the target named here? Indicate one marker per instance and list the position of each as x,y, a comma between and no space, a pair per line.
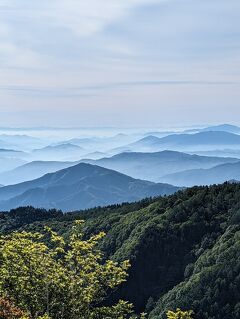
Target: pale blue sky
119,62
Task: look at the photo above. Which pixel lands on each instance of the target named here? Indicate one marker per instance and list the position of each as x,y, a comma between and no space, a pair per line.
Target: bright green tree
60,279
179,314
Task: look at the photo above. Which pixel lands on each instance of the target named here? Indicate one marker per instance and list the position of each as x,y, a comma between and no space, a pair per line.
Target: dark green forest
184,249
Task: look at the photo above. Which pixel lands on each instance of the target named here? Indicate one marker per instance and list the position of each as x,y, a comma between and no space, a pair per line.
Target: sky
151,63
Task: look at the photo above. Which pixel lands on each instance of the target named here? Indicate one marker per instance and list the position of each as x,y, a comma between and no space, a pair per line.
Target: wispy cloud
84,18
112,52
95,90
23,22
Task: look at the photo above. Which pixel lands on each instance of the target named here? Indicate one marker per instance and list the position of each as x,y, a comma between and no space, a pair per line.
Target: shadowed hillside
184,248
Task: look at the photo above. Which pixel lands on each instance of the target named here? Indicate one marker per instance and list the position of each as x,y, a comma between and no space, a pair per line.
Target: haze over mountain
10,152
225,152
151,163
5,145
80,186
184,142
152,166
103,144
21,142
32,170
223,127
95,155
66,151
7,163
216,128
59,147
215,175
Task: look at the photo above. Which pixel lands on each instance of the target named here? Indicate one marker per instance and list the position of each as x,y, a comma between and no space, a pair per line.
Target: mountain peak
80,186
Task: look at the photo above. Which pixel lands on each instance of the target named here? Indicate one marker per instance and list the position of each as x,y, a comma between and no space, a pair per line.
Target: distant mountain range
147,166
223,127
214,175
21,142
78,187
203,138
215,128
160,158
152,166
103,144
183,142
221,152
60,152
58,148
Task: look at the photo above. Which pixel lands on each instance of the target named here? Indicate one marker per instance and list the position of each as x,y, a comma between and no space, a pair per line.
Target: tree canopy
59,280
183,249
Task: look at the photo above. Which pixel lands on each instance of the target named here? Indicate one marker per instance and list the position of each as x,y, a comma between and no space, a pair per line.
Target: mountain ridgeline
205,140
78,187
32,170
184,248
148,166
215,175
154,166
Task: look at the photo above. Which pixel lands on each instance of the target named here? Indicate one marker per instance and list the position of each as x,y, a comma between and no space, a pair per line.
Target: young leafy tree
60,279
179,314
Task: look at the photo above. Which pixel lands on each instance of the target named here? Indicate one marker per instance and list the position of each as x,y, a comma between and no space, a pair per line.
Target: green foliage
16,218
59,280
179,314
213,287
173,243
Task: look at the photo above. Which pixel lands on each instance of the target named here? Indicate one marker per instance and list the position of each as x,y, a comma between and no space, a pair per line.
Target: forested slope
184,248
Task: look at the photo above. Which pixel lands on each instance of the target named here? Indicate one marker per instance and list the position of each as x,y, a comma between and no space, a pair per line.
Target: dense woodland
184,249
